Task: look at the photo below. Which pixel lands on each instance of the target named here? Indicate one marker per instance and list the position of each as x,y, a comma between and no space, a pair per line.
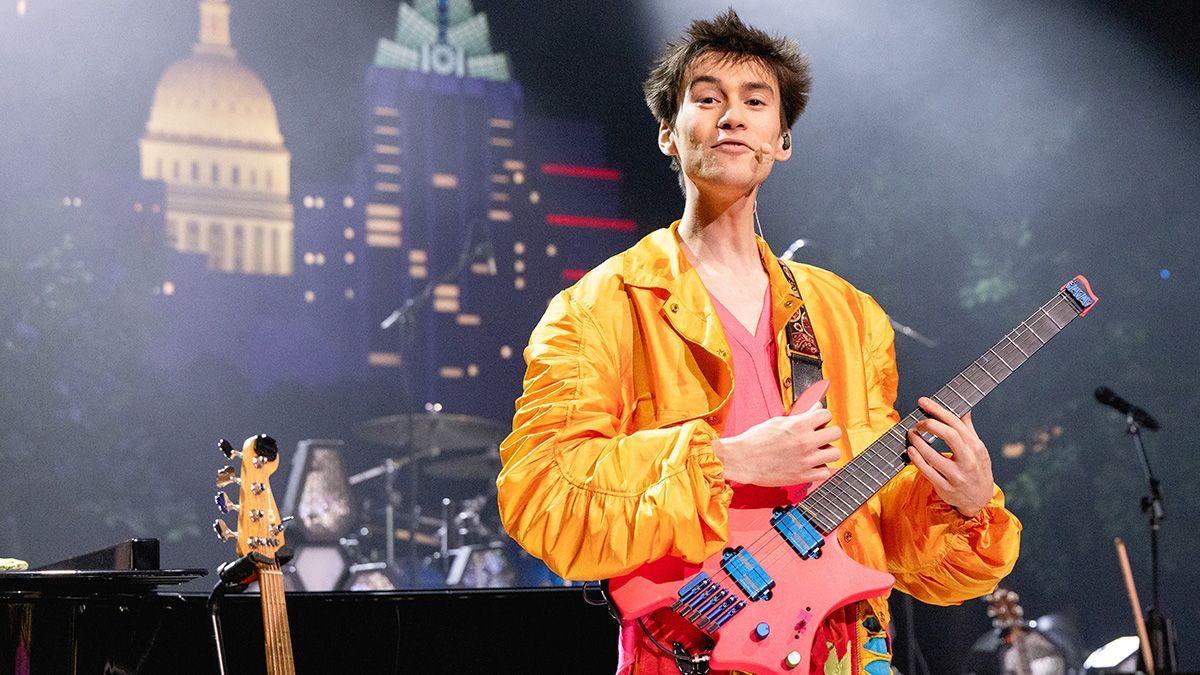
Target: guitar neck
275,621
848,489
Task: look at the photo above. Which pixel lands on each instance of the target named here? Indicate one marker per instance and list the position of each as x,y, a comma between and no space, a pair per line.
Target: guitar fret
1014,343
1033,331
1006,364
950,386
971,382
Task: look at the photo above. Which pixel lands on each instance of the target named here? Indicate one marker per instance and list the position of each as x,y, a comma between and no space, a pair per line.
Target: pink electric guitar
756,606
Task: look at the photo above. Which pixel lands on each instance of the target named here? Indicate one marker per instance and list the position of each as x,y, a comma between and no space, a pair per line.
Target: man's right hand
782,451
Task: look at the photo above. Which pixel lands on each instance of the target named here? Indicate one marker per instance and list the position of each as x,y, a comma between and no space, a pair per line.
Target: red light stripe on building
573,275
596,223
581,171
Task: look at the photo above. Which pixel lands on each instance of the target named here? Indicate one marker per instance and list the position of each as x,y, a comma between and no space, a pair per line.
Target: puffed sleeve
937,555
581,490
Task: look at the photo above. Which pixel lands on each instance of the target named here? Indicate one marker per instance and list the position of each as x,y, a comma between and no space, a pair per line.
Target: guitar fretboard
851,486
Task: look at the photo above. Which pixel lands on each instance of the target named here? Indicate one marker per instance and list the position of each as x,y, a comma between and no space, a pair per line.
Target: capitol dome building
213,138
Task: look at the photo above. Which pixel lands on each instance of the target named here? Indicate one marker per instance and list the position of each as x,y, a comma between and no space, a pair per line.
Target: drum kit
452,541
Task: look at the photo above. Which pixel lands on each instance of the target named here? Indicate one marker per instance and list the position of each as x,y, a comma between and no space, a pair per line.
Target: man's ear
666,140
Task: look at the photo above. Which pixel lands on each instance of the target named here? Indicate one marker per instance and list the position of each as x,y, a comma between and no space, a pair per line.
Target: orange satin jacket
610,465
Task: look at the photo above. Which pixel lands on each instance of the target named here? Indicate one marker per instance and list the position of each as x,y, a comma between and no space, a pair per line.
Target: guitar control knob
224,504
761,631
223,531
226,477
791,660
227,449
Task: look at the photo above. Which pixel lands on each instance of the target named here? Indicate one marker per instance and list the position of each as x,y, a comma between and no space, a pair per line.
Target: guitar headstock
1080,292
1005,609
259,526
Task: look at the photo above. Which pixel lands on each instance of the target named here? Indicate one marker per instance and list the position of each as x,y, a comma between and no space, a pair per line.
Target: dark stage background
958,161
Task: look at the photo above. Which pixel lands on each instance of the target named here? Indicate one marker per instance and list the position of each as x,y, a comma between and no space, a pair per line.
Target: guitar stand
234,577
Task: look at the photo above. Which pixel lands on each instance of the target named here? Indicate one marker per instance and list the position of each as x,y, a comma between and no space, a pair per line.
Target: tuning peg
223,531
227,477
266,447
278,529
224,504
227,449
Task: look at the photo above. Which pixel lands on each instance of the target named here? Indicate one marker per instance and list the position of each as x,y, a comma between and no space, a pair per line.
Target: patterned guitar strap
803,351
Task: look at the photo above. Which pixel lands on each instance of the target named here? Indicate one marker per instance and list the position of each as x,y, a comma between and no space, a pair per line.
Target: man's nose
733,117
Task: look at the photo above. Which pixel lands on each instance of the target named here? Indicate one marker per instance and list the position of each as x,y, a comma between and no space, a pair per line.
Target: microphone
1141,417
763,155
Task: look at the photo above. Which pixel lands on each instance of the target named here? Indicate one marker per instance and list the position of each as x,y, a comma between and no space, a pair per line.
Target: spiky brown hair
728,35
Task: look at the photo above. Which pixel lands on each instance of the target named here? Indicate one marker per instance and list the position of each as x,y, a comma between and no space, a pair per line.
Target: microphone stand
1158,626
404,318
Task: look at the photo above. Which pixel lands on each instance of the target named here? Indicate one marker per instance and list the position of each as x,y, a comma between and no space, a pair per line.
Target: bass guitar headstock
1005,610
259,525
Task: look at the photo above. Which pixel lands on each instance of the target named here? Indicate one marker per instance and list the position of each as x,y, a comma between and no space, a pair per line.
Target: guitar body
806,591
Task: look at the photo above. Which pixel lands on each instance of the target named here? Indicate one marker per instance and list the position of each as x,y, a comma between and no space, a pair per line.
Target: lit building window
518,178
320,258
309,296
349,257
379,240
514,165
388,225
450,372
384,359
506,352
446,299
519,266
67,202
519,248
392,169
472,370
386,186
519,283
535,197
418,271
445,180
349,293
386,111
137,207
501,142
387,149
319,202
388,210
76,202
500,215
418,255
168,288
348,232
308,201
500,178
499,196
310,258
498,123
22,8
468,320
385,130
551,250
348,202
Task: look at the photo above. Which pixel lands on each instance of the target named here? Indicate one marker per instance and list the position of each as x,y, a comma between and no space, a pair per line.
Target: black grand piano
113,611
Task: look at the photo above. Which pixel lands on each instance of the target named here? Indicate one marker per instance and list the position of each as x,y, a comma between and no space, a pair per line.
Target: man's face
727,133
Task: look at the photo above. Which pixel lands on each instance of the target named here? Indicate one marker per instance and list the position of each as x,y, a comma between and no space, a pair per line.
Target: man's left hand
962,479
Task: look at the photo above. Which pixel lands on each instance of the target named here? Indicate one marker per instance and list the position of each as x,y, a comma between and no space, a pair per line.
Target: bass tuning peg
224,533
224,503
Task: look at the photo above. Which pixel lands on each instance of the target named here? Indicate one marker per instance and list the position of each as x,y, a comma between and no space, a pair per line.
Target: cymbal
420,432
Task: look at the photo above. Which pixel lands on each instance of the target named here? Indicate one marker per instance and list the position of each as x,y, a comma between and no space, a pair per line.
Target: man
631,439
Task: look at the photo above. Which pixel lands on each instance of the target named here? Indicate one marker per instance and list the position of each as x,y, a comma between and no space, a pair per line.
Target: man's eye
708,99
756,102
